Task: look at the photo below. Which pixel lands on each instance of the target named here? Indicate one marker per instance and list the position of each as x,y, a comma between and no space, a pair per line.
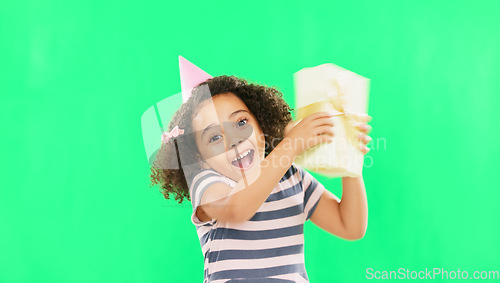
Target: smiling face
228,136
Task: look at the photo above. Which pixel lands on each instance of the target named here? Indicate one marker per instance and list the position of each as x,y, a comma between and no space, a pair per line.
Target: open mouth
244,160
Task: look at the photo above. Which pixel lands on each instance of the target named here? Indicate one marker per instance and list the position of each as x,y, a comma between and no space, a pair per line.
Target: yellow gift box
329,87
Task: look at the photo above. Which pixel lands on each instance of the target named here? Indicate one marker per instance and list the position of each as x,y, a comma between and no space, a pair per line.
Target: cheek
257,133
218,163
261,139
215,151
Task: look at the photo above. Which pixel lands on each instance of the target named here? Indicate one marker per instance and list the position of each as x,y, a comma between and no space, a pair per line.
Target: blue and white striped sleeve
313,190
198,186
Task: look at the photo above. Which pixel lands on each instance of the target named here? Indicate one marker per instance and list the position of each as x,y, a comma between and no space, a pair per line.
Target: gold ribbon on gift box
336,104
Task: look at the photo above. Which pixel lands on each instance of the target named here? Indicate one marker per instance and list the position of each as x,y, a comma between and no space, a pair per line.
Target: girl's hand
365,129
361,125
310,131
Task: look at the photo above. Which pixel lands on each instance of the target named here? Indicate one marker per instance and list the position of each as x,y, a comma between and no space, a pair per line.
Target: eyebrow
236,112
213,125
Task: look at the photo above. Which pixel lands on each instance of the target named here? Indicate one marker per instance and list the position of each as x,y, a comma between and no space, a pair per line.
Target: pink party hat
191,76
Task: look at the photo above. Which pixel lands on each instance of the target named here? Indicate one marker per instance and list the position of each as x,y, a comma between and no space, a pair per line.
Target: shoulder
292,178
295,171
304,177
207,176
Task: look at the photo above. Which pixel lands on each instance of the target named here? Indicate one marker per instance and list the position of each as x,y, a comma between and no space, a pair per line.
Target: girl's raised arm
221,202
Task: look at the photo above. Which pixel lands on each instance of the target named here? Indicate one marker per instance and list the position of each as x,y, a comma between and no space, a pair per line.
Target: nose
232,135
235,142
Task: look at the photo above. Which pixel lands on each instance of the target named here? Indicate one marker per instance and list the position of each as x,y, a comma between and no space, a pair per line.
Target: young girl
250,201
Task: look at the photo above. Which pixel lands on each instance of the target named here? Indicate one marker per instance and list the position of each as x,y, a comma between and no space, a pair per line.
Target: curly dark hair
266,103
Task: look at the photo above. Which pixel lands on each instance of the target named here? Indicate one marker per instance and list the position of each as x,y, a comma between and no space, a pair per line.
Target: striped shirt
270,246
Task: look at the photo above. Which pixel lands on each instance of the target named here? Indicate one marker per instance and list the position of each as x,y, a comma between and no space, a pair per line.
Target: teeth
243,155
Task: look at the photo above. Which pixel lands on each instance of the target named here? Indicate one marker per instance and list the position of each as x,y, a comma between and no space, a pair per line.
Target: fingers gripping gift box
331,88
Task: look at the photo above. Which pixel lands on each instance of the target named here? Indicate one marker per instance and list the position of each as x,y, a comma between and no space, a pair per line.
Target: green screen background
76,76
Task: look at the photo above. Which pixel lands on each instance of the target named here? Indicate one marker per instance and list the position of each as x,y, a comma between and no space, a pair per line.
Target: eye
242,122
214,138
